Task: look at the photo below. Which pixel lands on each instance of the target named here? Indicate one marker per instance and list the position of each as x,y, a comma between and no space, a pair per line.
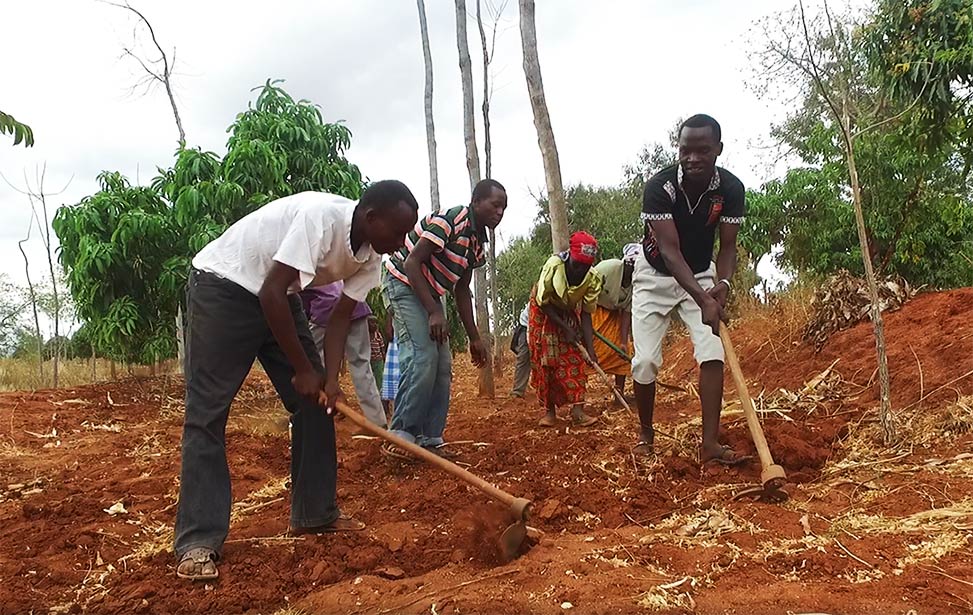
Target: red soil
428,533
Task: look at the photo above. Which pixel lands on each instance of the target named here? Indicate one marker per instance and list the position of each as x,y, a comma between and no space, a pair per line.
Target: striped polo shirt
459,246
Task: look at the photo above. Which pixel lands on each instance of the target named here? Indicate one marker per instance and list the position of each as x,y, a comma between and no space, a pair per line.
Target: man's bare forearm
277,311
726,263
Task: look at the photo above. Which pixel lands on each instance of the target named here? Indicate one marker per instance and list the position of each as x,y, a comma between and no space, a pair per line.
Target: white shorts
655,297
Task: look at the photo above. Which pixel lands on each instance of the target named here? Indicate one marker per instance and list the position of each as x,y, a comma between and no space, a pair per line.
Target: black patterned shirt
723,202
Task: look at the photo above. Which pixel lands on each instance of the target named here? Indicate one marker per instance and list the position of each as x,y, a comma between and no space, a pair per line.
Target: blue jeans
426,370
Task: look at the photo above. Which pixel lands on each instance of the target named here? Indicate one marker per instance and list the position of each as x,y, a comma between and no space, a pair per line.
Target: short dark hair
701,120
386,194
484,188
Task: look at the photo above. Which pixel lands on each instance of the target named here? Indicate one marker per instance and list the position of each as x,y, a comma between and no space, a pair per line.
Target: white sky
617,74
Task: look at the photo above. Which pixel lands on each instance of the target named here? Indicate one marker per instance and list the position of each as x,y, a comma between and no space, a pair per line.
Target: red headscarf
584,248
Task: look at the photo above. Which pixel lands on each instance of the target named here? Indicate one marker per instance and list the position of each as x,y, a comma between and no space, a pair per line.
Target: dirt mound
929,345
802,446
843,300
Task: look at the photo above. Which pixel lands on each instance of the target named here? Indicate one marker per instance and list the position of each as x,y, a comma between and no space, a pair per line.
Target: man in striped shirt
439,257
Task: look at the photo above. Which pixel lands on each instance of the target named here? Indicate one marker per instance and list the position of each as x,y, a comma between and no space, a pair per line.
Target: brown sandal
727,457
583,420
343,523
198,564
393,452
644,448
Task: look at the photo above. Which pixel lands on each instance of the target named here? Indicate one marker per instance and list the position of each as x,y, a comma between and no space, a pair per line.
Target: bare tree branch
13,314
900,114
152,74
33,296
844,121
165,77
817,75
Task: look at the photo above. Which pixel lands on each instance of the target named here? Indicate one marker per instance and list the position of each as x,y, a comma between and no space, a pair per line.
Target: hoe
513,537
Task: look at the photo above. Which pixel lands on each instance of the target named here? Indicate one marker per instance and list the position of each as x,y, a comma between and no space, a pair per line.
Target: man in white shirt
241,305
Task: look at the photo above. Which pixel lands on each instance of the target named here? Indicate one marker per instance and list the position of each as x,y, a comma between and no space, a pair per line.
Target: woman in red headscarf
561,305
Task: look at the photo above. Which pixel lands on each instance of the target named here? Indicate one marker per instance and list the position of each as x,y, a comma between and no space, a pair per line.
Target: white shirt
309,231
525,316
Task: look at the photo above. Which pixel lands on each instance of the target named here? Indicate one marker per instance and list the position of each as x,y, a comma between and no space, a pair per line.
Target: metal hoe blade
511,540
770,491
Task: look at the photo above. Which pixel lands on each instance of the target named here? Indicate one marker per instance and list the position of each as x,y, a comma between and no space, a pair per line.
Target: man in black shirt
683,206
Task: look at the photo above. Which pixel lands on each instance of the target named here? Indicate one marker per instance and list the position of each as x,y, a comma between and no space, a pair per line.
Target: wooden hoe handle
611,385
763,451
430,458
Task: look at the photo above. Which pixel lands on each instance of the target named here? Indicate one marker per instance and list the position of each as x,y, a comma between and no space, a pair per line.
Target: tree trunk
94,364
175,109
33,305
430,125
180,339
486,94
885,409
486,383
488,168
910,202
492,264
542,123
50,266
466,75
114,370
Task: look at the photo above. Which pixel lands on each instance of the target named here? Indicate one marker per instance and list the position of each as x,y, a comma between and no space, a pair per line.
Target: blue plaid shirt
390,378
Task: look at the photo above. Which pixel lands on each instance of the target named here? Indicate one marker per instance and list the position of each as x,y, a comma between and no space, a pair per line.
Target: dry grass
933,548
669,597
267,494
24,374
958,516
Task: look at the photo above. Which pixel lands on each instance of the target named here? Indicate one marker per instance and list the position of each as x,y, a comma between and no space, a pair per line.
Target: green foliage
13,302
25,344
376,302
21,132
117,247
923,51
915,177
652,159
127,249
518,268
80,344
54,345
277,147
458,341
610,214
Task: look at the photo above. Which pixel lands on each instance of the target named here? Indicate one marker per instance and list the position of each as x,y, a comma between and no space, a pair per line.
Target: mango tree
117,250
21,132
277,147
127,249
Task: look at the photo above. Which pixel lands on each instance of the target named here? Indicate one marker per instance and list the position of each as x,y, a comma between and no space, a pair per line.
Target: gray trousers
225,331
358,354
522,371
